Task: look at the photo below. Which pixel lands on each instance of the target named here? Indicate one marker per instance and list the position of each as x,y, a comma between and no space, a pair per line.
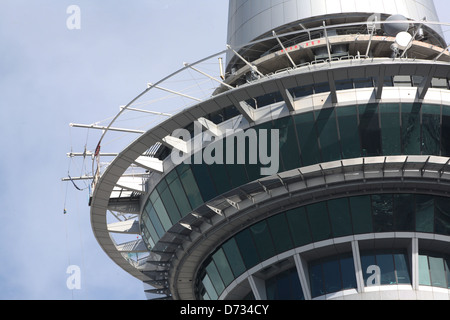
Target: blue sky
51,76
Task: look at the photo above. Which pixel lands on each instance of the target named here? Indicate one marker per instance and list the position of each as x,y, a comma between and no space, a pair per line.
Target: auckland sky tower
317,167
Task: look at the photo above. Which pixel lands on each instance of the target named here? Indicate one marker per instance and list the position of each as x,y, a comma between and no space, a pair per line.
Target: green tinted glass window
424,213
402,268
263,240
404,211
411,129
341,223
233,255
205,184
210,290
349,133
247,248
162,214
307,136
424,271
445,132
442,215
223,267
390,129
437,272
171,206
382,210
431,129
328,135
289,151
299,226
361,214
191,188
369,130
318,219
155,220
280,233
214,275
179,196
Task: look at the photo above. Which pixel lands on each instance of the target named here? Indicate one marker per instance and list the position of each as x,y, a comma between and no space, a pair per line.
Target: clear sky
51,76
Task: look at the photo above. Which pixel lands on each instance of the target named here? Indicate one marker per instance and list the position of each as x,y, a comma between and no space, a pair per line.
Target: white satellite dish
403,39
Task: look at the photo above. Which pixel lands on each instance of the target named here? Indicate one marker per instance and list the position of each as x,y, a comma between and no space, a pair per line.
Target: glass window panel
220,177
280,232
304,91
328,136
411,129
383,216
431,130
298,224
180,197
149,225
171,176
404,212
445,132
170,205
307,136
289,151
447,270
209,288
182,168
361,214
368,260
223,267
332,277
154,196
390,129
237,172
363,83
424,272
349,132
340,219
318,219
284,287
386,264
369,130
437,272
263,240
155,221
322,87
402,269
348,273
191,188
162,214
295,286
424,213
442,215
344,84
316,280
216,280
271,289
247,248
205,184
162,185
231,251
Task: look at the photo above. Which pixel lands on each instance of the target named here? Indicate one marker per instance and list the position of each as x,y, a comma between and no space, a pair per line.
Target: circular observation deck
357,121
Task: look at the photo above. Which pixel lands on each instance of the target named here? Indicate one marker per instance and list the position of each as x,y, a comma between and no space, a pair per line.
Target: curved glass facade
326,220
305,139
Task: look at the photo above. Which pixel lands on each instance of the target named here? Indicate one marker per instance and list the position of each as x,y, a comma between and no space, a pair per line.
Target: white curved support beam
131,183
150,163
127,227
